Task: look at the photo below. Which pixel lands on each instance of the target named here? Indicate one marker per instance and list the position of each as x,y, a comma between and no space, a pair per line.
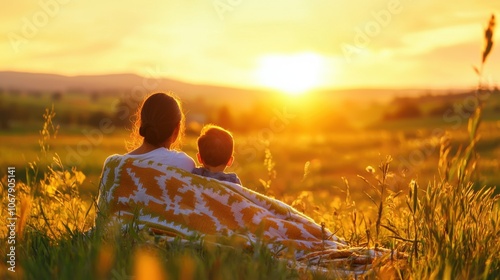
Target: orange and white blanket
174,202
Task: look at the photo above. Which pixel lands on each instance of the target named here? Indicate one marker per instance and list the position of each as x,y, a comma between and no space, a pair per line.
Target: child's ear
230,162
200,161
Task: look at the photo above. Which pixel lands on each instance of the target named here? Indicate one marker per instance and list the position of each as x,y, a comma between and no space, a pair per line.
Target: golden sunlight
291,74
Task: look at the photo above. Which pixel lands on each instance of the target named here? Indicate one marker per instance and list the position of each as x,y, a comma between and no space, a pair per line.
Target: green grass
447,226
81,256
330,156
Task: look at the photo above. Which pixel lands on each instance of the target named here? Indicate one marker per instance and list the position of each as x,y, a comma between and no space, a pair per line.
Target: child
215,153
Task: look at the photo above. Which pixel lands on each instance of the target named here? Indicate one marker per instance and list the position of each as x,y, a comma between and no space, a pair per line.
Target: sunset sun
291,74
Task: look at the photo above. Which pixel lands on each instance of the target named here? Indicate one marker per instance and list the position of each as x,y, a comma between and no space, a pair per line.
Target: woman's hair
156,120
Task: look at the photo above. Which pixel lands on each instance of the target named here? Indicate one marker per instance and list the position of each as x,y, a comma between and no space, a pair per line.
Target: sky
251,43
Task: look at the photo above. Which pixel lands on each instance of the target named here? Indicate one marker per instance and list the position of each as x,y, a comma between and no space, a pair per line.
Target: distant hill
21,81
40,82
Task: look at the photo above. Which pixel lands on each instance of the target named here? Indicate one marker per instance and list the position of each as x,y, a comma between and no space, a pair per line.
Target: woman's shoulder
173,153
113,159
162,156
172,158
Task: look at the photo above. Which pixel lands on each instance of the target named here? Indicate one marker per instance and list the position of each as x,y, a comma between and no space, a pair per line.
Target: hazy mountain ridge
41,82
124,83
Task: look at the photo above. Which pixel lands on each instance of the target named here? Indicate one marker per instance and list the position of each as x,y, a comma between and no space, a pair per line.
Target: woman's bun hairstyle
160,116
151,134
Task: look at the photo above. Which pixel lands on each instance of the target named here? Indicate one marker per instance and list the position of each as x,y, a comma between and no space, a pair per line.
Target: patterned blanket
173,202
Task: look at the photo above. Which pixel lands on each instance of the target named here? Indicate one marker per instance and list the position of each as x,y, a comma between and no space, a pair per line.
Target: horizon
291,47
417,90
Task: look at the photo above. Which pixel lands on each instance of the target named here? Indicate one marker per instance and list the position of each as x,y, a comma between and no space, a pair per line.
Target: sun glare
291,74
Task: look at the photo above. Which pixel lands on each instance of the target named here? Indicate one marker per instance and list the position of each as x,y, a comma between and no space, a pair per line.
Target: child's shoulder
221,176
202,171
233,178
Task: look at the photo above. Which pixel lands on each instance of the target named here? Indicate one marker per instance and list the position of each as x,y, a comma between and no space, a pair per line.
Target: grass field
328,157
318,173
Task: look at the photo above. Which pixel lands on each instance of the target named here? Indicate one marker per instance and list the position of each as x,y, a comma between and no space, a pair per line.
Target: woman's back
163,156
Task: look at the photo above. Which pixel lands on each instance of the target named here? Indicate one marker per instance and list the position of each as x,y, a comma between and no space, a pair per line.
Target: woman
160,123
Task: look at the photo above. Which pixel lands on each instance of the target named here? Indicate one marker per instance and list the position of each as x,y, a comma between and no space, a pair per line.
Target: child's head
215,147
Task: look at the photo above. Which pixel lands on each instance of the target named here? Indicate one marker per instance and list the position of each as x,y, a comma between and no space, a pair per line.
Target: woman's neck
146,148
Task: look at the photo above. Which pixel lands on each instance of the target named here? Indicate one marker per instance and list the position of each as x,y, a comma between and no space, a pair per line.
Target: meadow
394,183
315,161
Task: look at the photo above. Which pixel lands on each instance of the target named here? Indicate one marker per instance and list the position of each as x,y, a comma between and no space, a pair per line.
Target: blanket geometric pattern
173,202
